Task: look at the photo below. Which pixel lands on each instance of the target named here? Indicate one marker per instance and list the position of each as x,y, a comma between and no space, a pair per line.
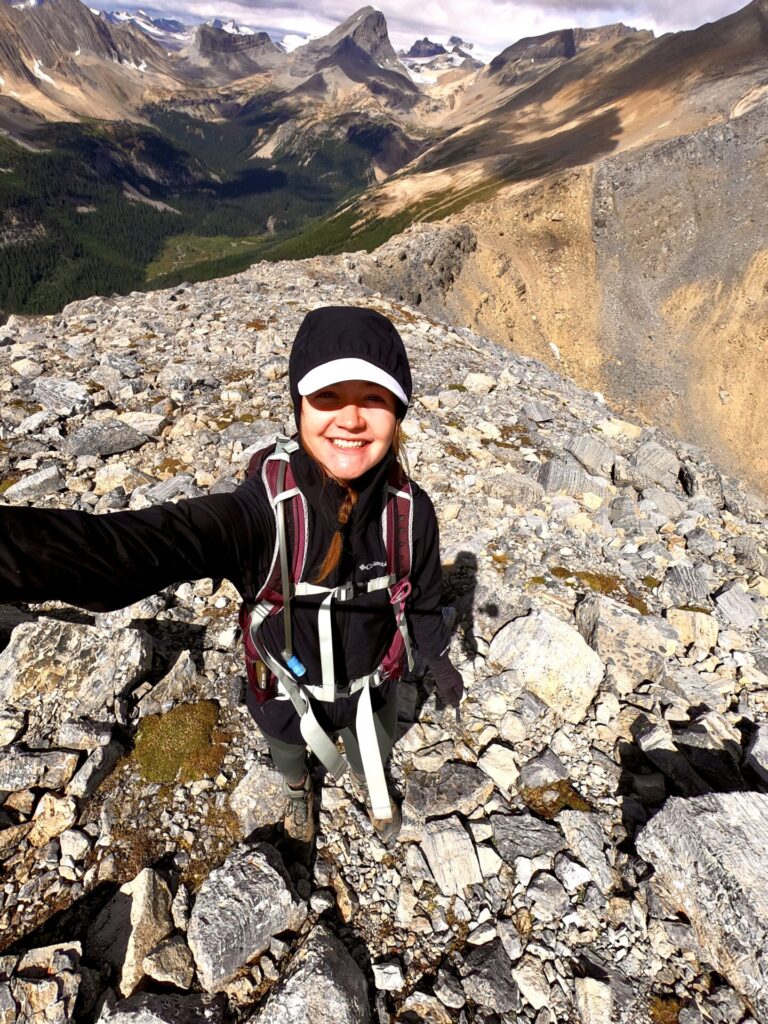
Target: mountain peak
366,29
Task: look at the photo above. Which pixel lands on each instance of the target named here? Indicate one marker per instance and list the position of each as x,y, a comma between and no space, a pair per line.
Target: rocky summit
584,841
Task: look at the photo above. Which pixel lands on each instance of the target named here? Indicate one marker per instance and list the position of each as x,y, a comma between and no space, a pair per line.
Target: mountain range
603,184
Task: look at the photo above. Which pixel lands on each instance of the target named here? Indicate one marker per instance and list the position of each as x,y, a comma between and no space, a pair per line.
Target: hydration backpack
267,674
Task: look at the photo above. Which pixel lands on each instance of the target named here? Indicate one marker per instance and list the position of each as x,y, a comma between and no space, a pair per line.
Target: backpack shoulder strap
397,523
280,485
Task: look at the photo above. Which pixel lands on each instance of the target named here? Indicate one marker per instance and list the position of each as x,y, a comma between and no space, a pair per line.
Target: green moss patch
182,745
601,583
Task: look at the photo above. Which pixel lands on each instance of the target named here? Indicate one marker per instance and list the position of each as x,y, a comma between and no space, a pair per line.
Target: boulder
44,985
130,926
259,797
104,437
634,647
487,978
552,660
322,983
455,787
710,864
238,910
62,670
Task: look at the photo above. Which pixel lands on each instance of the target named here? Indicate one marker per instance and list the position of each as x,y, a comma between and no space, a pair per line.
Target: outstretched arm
102,562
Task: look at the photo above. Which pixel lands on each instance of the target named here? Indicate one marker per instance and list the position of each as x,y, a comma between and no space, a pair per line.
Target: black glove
450,685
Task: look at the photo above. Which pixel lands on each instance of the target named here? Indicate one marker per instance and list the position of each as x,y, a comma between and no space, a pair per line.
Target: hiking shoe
299,820
384,828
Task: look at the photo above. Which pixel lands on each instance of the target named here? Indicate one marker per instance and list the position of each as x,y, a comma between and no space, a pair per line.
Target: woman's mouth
339,442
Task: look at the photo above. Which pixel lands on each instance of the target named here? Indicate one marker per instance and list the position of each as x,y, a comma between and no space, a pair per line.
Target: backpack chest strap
345,592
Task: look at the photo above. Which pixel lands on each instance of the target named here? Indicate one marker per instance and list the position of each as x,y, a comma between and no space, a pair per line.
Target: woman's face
348,427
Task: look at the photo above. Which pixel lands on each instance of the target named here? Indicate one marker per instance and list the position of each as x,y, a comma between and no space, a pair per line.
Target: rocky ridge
584,841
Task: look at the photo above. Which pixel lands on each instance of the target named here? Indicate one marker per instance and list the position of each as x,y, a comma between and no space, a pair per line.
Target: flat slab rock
322,983
710,856
72,670
241,906
151,1008
104,437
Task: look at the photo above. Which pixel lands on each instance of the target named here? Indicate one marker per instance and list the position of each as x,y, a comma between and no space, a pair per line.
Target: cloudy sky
490,24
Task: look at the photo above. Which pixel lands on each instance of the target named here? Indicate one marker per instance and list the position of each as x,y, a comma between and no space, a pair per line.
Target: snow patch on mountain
38,72
233,27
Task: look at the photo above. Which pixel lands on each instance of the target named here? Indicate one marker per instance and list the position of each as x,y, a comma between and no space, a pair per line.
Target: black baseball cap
338,343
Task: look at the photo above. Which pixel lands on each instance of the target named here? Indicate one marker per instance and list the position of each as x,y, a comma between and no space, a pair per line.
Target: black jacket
103,562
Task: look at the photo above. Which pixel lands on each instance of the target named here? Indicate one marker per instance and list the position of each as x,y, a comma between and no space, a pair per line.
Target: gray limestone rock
515,489
95,769
595,456
559,476
548,897
666,503
487,978
239,908
538,412
130,926
737,607
585,837
522,835
259,797
652,463
153,1008
455,787
12,724
322,982
709,860
171,962
44,481
634,647
551,660
756,754
685,585
60,670
104,437
541,771
657,743
44,985
451,856
173,688
64,397
21,769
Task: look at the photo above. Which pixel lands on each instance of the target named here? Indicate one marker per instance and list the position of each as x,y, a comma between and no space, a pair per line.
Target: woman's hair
333,554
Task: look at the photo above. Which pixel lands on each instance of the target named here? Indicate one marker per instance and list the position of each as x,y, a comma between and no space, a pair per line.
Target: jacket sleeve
424,613
103,562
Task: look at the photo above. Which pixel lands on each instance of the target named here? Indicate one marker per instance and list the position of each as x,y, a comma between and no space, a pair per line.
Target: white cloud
491,24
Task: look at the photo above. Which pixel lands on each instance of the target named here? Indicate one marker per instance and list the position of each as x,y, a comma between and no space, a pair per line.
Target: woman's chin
347,466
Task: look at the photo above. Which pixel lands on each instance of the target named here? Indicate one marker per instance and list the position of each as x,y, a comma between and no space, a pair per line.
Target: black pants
278,720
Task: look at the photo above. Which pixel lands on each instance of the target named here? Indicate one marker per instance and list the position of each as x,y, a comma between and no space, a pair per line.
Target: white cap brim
338,370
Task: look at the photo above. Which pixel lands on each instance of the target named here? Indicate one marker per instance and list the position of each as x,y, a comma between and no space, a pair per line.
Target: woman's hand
450,685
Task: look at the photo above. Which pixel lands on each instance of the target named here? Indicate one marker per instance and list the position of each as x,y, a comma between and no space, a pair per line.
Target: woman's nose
350,417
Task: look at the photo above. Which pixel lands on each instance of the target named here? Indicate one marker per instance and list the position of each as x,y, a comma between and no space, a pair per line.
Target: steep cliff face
624,240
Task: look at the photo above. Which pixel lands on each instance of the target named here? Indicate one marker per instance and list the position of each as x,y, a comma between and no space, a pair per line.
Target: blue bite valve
294,665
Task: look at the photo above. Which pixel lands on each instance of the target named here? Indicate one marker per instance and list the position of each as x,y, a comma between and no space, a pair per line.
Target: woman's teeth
337,441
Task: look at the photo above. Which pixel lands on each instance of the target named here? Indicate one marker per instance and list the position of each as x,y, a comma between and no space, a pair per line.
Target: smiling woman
348,427
334,549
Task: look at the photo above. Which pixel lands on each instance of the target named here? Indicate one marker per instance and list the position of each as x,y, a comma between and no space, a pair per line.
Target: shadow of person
458,607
